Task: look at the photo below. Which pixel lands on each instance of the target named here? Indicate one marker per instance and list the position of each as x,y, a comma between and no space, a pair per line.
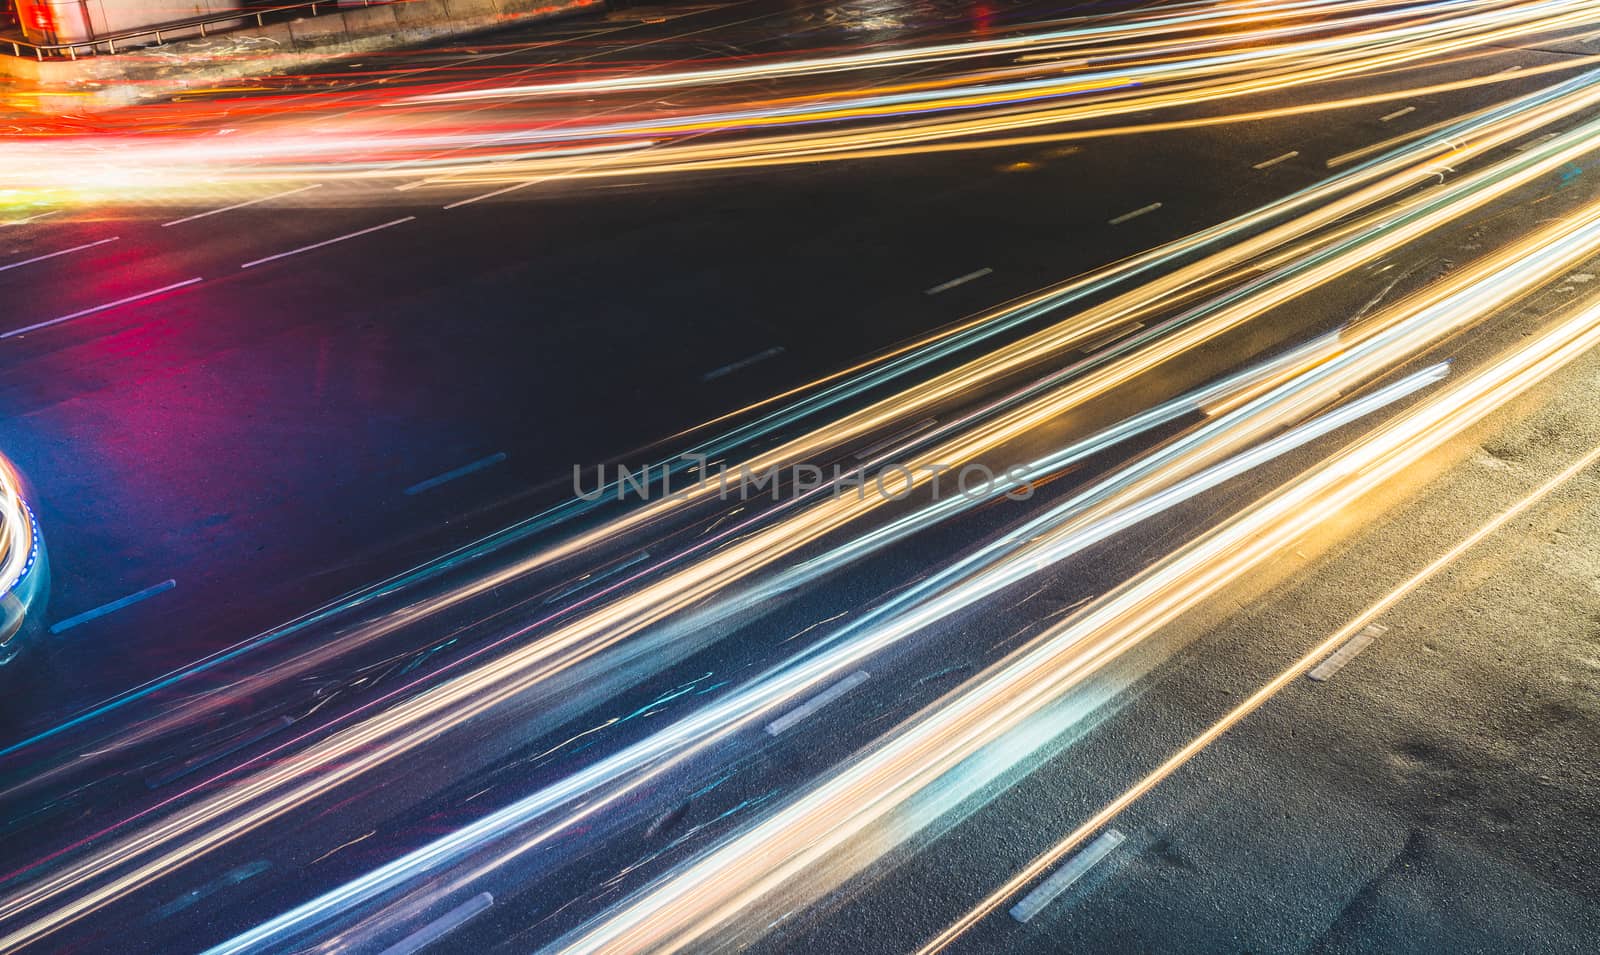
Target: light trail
23,574
383,736
1138,492
1142,27
1339,197
639,765
883,798
1405,168
1123,92
1041,863
1135,62
16,530
1386,230
1193,293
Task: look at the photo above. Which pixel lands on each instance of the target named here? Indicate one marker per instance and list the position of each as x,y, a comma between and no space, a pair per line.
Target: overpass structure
75,21
75,56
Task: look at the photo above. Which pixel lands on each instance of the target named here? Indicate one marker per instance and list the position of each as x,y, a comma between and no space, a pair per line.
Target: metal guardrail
70,51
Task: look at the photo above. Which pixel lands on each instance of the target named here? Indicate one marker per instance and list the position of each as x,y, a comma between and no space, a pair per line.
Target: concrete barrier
375,20
105,81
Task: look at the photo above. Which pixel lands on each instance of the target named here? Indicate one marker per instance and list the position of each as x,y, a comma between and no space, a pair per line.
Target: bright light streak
1292,248
881,799
1040,864
1129,63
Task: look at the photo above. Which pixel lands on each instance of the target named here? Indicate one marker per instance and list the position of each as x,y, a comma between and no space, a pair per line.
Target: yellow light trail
1404,169
244,806
1126,68
915,137
847,820
1037,866
177,840
1477,291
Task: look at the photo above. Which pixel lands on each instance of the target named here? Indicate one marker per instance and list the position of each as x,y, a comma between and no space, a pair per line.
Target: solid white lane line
113,606
1050,889
51,255
742,363
1397,114
240,205
601,153
498,192
98,308
1255,702
1335,662
1277,159
1119,220
318,245
33,218
454,473
794,716
958,280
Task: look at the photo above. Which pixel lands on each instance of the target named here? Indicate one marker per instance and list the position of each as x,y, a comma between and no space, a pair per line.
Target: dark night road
502,328
307,367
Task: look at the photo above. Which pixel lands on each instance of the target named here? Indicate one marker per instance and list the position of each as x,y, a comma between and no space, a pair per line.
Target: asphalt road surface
1268,311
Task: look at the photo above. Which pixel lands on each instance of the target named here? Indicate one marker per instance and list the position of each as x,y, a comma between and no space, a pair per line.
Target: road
312,367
